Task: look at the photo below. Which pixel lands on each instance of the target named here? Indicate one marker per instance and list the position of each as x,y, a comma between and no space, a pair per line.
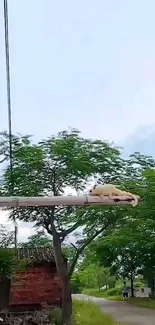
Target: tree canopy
128,249
67,163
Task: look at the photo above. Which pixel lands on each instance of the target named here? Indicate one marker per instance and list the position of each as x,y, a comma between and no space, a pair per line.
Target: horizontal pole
16,201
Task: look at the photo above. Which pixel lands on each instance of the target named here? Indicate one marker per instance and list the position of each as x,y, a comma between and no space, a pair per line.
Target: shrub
76,283
56,316
114,291
94,292
117,291
7,262
139,284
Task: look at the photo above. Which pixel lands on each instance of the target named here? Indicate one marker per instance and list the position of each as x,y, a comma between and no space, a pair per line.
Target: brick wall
39,284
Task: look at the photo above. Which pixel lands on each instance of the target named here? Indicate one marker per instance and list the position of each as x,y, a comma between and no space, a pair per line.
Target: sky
83,64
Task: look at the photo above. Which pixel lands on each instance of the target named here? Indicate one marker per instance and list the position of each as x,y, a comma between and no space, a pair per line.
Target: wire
6,29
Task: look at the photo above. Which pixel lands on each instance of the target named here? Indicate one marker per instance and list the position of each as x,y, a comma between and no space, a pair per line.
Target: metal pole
6,29
63,200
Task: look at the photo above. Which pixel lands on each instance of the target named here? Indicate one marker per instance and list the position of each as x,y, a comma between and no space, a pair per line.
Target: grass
95,293
103,293
86,313
140,302
143,302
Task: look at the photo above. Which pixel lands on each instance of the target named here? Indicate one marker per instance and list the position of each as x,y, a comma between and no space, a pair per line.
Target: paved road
123,313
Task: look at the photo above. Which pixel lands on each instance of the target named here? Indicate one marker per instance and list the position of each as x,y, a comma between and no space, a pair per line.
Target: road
123,313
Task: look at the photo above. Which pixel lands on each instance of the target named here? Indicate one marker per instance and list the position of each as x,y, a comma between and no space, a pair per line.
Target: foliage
6,237
86,313
7,262
76,284
49,168
116,291
143,302
91,276
140,302
63,161
138,284
56,316
8,259
128,250
123,237
40,239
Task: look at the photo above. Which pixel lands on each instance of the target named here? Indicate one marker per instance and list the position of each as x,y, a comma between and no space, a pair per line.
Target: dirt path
123,313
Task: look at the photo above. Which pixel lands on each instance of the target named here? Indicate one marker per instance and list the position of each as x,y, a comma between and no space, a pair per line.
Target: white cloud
24,229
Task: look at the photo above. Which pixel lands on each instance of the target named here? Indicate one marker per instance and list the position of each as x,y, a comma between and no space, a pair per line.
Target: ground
123,313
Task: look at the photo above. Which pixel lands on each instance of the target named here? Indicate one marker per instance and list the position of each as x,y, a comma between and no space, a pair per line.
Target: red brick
36,285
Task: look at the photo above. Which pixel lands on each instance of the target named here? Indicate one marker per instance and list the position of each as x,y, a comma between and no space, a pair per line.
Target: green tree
122,255
40,239
49,168
130,248
6,237
94,276
9,264
76,282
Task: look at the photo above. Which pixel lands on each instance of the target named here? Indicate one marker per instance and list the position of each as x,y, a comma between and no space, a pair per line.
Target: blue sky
84,64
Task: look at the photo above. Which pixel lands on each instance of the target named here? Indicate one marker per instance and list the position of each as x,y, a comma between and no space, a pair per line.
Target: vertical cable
6,29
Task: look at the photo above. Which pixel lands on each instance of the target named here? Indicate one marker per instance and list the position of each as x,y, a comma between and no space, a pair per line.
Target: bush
114,291
56,316
90,292
117,291
138,284
7,262
76,283
86,313
94,292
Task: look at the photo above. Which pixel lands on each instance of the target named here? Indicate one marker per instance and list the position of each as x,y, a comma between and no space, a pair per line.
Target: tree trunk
99,286
65,279
152,287
5,284
132,287
149,277
66,301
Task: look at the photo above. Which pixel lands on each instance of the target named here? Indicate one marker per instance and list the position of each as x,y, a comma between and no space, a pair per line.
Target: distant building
143,292
38,285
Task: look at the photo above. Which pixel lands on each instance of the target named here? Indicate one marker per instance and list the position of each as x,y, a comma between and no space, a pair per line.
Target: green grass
114,298
101,294
86,313
94,292
117,291
140,302
143,302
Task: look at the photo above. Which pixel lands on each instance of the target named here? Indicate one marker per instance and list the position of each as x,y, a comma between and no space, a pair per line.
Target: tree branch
1,161
50,221
80,250
74,246
66,232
